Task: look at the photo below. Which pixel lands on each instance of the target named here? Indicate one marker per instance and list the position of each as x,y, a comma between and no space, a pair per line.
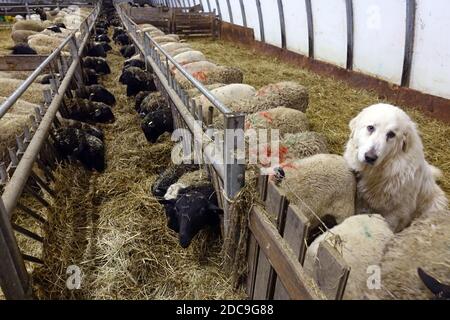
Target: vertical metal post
230,11
14,279
234,160
244,15
282,24
309,16
78,72
261,21
409,41
219,11
209,5
350,22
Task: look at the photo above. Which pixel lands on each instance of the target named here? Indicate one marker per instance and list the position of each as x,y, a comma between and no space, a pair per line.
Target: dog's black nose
370,157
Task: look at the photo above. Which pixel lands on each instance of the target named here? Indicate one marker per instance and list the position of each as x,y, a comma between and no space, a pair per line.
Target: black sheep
106,46
134,63
54,29
23,48
45,78
90,77
98,93
101,30
102,38
156,123
128,51
118,31
90,111
139,98
86,148
194,209
169,177
122,39
41,13
90,129
98,64
152,102
60,25
95,50
137,80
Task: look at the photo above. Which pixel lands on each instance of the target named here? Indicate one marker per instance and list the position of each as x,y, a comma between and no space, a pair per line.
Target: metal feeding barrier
227,171
33,147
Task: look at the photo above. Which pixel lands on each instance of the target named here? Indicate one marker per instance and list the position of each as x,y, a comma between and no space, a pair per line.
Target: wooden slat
262,186
295,233
330,271
20,62
276,203
262,277
252,260
298,285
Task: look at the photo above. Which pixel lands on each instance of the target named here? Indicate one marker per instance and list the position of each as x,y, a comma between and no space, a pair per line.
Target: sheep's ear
214,208
407,138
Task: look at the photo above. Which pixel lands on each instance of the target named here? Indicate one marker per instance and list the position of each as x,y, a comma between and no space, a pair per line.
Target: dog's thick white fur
395,180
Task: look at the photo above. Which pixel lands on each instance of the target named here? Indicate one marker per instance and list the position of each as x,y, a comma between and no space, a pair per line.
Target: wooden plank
298,285
262,186
276,204
252,263
295,233
330,271
262,277
21,62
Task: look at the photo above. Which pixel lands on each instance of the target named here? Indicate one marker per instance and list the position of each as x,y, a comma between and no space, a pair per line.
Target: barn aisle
112,228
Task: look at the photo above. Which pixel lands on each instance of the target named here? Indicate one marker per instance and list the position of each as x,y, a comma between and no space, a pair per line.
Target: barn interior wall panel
296,26
379,38
379,35
430,71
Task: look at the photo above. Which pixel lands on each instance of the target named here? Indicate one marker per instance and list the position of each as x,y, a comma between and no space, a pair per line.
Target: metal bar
350,33
27,233
310,20
42,183
282,24
409,41
14,279
31,213
244,15
33,259
230,11
261,21
209,5
219,11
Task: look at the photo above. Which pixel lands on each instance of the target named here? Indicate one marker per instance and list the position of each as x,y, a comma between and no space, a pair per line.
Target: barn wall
379,35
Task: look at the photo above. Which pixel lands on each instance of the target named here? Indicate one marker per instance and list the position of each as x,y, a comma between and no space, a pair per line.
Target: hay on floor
112,227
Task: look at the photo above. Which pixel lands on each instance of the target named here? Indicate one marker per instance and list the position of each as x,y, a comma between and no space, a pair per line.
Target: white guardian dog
394,179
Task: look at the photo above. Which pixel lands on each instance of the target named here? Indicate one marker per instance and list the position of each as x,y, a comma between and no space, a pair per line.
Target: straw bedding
115,231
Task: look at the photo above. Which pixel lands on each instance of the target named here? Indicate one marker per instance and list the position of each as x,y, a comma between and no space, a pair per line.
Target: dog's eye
371,129
390,135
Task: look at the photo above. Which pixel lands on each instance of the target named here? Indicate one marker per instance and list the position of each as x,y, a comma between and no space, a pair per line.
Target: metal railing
34,147
226,165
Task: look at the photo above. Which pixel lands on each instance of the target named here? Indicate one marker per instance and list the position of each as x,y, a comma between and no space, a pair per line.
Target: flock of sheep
321,184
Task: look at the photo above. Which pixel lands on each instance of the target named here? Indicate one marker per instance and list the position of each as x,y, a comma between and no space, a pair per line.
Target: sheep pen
111,226
332,103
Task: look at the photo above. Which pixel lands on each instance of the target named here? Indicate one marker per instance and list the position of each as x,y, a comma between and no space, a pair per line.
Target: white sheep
21,36
321,185
218,74
165,39
172,46
188,57
287,94
28,25
424,244
45,44
33,94
226,95
361,240
286,120
194,179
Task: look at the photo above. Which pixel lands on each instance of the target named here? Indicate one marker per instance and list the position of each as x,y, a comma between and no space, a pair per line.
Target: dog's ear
408,137
352,125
